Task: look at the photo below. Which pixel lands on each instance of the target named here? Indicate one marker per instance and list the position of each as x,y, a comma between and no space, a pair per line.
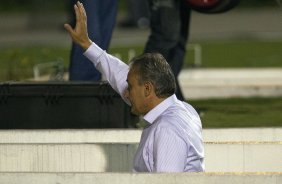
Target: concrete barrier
103,157
132,135
66,157
129,178
224,83
243,156
227,150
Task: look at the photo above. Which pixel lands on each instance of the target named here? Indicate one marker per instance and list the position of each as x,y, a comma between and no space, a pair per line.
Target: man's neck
153,102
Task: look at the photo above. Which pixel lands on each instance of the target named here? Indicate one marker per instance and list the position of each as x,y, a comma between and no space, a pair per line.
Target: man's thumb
69,29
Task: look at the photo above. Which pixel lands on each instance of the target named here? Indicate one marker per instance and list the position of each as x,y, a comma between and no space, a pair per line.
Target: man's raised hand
79,34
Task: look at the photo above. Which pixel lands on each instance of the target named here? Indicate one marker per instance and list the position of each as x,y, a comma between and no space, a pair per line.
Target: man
172,140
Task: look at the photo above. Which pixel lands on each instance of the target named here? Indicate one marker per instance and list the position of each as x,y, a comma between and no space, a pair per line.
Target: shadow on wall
67,157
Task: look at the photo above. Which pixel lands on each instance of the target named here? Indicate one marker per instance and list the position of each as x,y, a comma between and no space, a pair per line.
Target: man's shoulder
180,116
180,110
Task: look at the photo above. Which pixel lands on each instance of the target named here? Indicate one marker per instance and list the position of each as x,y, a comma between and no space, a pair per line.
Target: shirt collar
153,114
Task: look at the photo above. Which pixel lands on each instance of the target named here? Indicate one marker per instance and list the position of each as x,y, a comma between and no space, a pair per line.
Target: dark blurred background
27,5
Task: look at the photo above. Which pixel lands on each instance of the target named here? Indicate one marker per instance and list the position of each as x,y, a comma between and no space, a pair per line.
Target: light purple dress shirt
172,140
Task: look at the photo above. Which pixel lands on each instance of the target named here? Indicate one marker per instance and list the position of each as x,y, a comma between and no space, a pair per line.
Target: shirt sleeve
169,151
114,70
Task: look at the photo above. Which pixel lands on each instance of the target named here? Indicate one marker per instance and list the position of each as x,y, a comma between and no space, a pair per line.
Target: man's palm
79,34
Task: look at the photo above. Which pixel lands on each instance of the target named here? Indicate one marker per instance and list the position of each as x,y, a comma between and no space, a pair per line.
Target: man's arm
114,70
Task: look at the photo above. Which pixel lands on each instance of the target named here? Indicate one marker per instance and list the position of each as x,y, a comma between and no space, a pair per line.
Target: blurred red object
212,6
200,3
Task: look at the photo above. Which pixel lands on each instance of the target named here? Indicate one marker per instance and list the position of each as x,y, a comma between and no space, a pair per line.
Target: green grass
232,54
242,54
239,112
16,63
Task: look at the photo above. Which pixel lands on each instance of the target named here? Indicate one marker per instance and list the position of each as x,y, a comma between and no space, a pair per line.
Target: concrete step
224,83
129,178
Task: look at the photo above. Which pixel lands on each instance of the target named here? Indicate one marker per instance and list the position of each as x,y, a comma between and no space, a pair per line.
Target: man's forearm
114,70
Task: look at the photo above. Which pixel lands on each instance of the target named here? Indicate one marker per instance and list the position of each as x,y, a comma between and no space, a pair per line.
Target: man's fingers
79,8
83,12
77,13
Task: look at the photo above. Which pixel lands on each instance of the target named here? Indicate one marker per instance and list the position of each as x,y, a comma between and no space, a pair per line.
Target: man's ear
148,89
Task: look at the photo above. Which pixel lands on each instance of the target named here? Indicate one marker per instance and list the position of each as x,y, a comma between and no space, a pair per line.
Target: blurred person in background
101,21
137,14
169,24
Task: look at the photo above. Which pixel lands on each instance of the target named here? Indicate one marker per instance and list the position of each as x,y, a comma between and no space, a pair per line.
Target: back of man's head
153,67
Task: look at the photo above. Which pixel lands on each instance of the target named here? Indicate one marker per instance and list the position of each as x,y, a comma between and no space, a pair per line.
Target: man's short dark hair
153,67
